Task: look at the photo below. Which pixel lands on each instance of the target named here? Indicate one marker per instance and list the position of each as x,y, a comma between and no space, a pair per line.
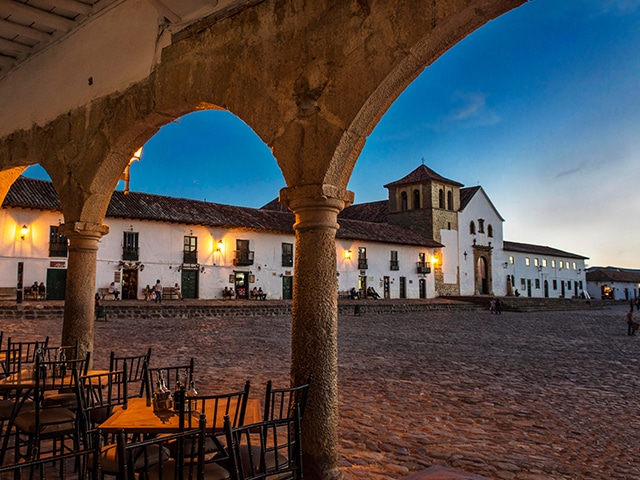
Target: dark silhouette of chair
216,408
30,348
48,422
97,395
170,374
279,402
64,397
266,450
79,465
149,459
135,372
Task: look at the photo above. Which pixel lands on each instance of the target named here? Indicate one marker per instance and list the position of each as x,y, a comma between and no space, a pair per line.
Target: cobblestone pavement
545,395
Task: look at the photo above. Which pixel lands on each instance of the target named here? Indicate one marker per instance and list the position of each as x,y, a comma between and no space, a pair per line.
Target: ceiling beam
24,31
72,6
7,46
6,61
8,7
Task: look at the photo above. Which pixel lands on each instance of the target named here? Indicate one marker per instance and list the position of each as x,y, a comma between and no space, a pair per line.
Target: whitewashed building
613,283
201,246
432,237
540,271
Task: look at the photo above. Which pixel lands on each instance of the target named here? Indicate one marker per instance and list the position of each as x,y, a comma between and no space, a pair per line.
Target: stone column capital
84,229
316,205
83,236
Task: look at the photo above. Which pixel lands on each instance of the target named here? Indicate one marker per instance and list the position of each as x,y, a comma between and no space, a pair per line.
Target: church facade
432,237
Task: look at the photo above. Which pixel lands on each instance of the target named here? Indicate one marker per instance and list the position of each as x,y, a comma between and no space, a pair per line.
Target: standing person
158,291
632,326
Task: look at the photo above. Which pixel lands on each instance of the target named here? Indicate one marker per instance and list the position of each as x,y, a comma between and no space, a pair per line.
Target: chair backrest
57,375
269,449
170,374
64,352
279,402
79,464
136,366
216,408
147,458
29,349
97,395
12,362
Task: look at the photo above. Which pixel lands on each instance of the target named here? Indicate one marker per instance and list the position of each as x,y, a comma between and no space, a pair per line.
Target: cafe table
139,417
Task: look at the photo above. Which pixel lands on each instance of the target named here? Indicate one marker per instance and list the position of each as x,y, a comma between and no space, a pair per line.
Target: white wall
531,273
480,207
161,253
379,256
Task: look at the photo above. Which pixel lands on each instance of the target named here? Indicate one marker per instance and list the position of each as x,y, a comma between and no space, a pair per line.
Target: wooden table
140,418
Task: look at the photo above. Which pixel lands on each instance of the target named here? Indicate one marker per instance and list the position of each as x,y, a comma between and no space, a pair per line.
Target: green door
287,287
189,283
56,283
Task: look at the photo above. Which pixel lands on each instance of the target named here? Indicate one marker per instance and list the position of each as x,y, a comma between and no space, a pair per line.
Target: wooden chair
79,465
216,408
266,450
29,349
279,402
171,375
149,459
135,372
48,422
97,395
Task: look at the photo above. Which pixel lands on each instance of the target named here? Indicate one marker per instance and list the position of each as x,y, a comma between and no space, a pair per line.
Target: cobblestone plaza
544,395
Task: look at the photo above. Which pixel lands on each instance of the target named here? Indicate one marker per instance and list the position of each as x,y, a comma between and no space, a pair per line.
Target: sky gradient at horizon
539,107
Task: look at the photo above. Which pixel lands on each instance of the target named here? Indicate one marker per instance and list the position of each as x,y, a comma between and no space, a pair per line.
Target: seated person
261,295
254,293
42,291
146,291
371,292
353,293
228,293
176,290
113,291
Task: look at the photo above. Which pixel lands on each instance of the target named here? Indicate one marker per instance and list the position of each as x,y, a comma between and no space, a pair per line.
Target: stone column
81,283
314,340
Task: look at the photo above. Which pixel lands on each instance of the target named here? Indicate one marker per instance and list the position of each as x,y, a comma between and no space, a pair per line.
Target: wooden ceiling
29,26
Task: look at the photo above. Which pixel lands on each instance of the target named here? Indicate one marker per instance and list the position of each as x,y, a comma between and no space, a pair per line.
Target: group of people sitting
370,293
258,294
37,291
228,293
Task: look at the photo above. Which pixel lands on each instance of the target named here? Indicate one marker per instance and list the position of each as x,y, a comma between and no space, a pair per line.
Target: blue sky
540,106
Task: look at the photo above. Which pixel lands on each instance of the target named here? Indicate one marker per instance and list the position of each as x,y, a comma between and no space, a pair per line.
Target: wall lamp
219,246
505,264
23,232
347,254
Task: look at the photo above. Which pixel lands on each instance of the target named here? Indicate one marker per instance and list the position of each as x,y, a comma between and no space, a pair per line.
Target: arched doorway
482,276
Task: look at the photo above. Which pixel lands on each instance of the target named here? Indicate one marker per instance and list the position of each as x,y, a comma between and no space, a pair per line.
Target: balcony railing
287,260
394,265
423,267
363,264
58,249
190,257
242,258
130,253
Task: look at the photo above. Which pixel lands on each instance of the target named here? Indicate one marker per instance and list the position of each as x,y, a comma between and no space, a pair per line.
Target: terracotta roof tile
613,275
539,250
422,174
367,212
